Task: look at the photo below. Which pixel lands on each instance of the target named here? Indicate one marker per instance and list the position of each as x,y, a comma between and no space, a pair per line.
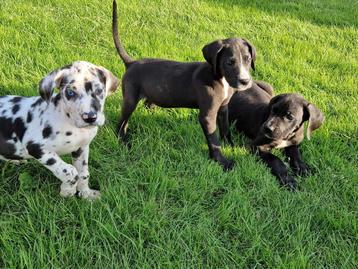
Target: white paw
67,191
89,194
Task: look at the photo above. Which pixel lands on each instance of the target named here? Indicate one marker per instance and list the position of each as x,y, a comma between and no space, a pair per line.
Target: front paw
89,194
288,182
227,165
67,190
301,169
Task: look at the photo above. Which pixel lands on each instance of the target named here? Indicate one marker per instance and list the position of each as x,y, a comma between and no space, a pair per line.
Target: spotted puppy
54,124
275,122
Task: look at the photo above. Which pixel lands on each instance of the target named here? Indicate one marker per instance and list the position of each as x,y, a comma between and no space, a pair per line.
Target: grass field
164,204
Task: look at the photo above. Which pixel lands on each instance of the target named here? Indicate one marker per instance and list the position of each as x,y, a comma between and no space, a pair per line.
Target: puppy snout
244,81
89,117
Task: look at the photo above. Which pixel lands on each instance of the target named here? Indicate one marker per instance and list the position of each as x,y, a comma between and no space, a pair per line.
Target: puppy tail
120,49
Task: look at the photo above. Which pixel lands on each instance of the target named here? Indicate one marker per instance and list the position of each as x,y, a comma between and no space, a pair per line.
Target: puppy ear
314,116
210,52
51,81
108,79
252,51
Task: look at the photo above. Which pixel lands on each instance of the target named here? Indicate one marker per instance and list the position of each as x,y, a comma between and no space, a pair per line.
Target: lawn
164,204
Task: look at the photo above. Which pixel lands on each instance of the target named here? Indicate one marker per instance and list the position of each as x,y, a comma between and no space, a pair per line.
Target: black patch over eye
231,62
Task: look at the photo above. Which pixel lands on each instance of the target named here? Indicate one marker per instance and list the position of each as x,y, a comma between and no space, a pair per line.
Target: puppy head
287,113
231,59
83,90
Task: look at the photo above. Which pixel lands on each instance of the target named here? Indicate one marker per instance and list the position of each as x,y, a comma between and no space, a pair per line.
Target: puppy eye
231,62
247,58
289,116
70,93
99,91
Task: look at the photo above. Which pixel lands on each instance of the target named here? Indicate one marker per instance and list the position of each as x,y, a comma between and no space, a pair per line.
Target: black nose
89,117
244,81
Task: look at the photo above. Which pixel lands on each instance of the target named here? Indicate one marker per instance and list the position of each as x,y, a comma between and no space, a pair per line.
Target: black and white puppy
54,124
207,86
276,122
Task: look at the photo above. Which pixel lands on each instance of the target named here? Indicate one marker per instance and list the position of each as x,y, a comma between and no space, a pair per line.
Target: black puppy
275,123
205,85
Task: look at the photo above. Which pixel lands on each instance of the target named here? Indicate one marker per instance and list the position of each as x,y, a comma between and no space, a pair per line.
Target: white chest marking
284,144
226,87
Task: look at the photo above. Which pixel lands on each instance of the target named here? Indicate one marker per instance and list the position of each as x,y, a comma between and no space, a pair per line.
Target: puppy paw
89,194
227,165
67,191
301,169
289,182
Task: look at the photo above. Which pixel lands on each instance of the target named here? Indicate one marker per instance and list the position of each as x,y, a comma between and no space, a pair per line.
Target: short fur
275,122
207,86
54,124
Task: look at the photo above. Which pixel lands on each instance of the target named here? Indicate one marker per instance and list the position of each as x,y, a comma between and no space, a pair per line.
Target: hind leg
130,101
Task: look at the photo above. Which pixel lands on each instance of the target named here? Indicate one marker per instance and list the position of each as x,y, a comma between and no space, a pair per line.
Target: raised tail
121,51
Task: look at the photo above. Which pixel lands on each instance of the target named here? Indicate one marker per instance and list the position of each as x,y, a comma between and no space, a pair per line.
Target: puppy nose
244,81
89,117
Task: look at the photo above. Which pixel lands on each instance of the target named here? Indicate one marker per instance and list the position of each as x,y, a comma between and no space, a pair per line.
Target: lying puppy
205,85
275,123
54,124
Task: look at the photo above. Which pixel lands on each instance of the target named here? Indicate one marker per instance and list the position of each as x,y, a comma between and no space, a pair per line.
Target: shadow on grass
328,13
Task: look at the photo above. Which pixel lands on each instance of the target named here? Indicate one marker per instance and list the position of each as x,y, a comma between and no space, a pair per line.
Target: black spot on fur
38,102
3,112
57,132
51,161
77,153
84,163
16,99
29,117
64,170
6,128
56,99
34,149
7,150
88,86
15,109
96,105
66,67
68,133
47,131
19,128
68,115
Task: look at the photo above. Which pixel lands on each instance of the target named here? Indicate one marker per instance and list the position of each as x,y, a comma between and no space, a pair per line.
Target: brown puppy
275,123
207,86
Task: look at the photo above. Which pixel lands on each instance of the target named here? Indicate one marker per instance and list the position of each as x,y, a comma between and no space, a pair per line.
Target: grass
164,203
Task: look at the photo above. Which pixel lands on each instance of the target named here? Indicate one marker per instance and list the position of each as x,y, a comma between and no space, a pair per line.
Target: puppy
54,124
207,86
275,123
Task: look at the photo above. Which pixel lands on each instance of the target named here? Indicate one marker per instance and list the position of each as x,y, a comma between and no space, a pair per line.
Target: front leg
223,122
65,172
297,164
207,119
80,161
277,167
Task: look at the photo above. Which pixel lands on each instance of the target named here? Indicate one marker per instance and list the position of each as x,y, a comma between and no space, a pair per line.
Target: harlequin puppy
207,86
54,124
275,123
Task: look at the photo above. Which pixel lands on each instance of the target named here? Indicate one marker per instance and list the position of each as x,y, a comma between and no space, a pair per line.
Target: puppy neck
226,87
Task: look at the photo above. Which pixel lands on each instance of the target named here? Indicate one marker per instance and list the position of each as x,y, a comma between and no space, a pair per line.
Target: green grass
164,204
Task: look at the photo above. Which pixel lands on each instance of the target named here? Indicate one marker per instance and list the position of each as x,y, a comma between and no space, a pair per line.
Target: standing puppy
275,123
205,85
54,124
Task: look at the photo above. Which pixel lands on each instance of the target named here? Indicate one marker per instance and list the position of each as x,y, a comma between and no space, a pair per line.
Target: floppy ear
252,51
108,79
51,81
211,51
314,116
